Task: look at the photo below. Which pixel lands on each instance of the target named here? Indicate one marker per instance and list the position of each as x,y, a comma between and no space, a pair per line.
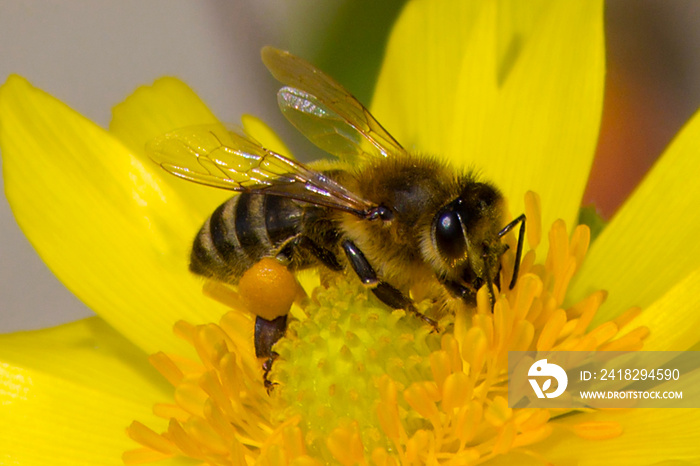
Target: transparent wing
324,111
230,159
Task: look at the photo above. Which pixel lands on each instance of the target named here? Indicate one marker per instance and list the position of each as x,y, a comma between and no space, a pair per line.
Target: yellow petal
48,420
419,74
522,104
650,244
106,225
152,111
87,353
673,319
648,436
549,110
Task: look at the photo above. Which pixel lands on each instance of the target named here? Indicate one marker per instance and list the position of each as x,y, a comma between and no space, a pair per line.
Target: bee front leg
459,291
386,293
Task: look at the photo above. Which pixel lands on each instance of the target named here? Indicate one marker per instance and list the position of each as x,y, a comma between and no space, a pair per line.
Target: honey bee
407,225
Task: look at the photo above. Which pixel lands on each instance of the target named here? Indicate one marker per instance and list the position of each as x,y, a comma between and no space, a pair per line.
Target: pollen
355,383
255,285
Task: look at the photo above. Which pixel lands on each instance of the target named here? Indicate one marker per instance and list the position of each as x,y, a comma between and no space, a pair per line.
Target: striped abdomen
241,231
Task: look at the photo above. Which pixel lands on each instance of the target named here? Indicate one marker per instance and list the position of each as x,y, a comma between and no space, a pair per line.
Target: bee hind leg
267,367
267,333
386,293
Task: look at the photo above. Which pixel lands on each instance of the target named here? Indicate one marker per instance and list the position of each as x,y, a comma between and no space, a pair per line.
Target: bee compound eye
449,237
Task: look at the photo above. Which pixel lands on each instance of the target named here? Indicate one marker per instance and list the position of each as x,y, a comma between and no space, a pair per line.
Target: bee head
465,235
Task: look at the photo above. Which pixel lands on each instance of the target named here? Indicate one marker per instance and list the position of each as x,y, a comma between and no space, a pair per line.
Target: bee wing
326,113
230,159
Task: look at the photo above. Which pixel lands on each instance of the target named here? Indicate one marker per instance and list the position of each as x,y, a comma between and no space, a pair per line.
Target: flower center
359,384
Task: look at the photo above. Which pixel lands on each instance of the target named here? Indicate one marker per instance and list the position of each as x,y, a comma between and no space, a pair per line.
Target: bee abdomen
242,231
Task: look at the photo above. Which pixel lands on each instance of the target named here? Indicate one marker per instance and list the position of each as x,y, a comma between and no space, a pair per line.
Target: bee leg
393,298
267,333
267,367
386,293
460,291
492,294
521,240
324,256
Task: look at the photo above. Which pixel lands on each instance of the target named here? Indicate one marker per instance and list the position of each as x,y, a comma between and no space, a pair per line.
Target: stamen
356,383
166,367
550,332
598,430
150,439
533,212
345,445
